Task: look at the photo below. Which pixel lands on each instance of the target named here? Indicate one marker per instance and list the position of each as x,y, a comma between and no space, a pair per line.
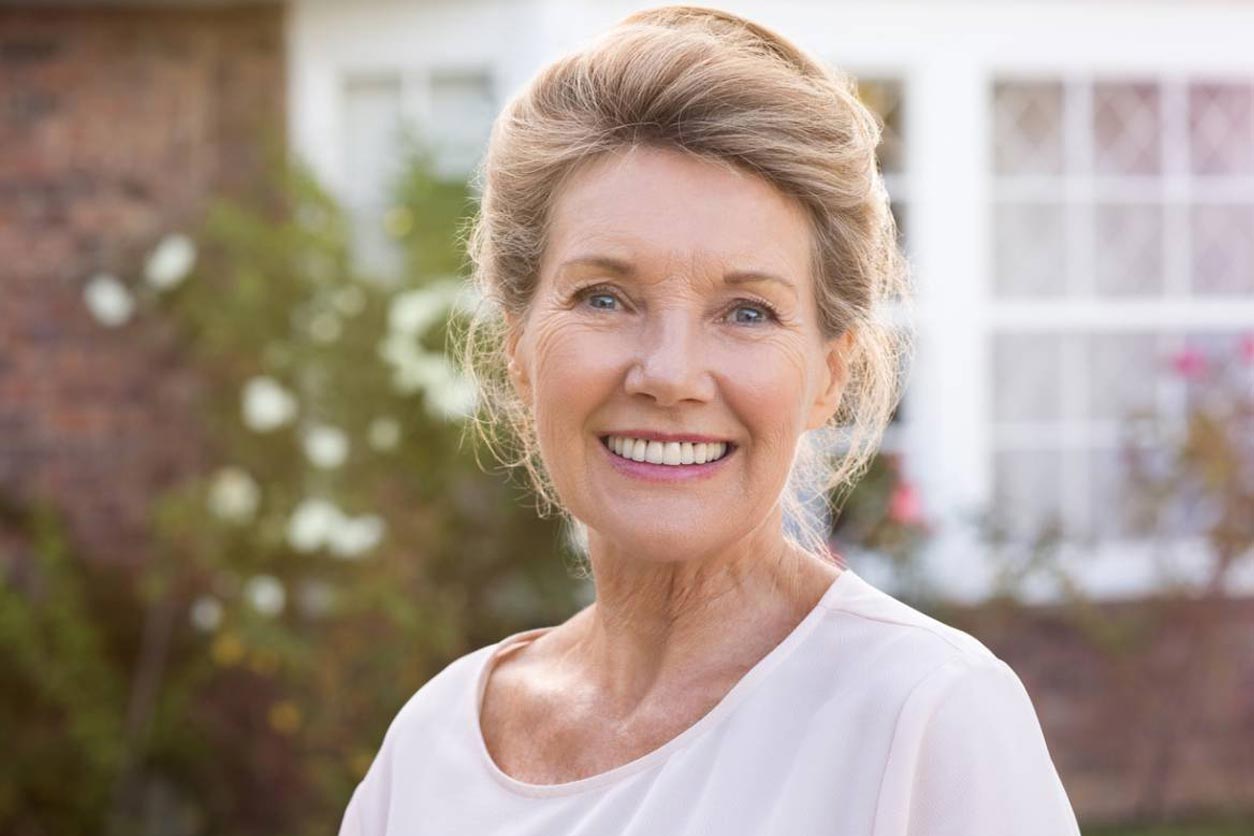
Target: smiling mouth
688,453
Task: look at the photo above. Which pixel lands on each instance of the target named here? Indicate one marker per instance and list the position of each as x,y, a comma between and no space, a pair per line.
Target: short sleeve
351,823
972,760
367,811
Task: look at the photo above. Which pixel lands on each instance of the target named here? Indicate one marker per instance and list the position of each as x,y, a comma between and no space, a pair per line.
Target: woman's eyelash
584,292
771,311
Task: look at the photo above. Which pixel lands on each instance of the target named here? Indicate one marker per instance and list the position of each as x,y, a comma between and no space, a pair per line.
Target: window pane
1028,127
1111,510
462,110
374,250
373,124
1030,243
1223,249
1218,363
1129,256
1027,377
901,216
372,120
1064,387
1124,372
1127,128
1027,490
1221,128
884,97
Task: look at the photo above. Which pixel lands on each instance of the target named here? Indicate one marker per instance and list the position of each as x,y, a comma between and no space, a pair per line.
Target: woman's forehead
665,206
729,270
649,182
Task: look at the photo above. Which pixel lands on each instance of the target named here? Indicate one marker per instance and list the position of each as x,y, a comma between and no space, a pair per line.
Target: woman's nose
670,362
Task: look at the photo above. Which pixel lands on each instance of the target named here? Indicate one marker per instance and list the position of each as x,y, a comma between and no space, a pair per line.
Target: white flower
325,327
467,297
449,394
414,311
206,613
413,367
108,300
318,266
170,262
452,399
266,404
399,349
325,446
384,433
350,300
398,221
311,523
234,494
353,537
266,594
317,523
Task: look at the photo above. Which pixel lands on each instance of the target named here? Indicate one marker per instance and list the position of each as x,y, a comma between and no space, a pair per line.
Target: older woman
687,244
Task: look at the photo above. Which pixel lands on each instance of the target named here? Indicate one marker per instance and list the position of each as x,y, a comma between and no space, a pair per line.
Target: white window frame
947,55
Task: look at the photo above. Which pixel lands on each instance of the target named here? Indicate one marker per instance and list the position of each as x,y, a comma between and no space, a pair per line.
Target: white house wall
947,54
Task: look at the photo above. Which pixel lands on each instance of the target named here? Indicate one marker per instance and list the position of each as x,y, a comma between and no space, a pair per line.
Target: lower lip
665,472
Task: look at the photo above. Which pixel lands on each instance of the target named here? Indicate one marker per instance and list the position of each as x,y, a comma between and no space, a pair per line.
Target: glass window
885,96
372,124
1107,193
450,110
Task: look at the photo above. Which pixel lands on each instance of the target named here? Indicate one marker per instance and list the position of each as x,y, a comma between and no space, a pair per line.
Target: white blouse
869,719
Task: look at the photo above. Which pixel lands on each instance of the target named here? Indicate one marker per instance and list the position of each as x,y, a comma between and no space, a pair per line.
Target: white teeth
673,453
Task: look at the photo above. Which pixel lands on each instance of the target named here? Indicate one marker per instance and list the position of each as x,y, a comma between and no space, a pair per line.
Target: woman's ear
517,364
836,375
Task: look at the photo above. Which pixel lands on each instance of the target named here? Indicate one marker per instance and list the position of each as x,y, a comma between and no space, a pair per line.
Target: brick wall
116,124
1147,706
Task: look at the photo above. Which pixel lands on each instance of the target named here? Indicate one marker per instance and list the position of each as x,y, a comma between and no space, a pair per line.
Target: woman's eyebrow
750,276
604,262
628,270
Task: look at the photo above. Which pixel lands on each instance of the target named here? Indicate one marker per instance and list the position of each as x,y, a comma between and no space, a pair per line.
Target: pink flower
904,506
1189,363
1246,348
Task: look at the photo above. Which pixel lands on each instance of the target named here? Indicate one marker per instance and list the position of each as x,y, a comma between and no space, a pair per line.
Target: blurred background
239,526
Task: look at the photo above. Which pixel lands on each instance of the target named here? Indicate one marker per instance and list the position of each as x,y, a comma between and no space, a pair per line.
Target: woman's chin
662,542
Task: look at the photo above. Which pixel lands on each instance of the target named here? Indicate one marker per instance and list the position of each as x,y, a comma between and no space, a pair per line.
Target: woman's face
654,313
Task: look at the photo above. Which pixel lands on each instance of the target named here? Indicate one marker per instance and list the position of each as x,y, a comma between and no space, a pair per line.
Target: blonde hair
727,90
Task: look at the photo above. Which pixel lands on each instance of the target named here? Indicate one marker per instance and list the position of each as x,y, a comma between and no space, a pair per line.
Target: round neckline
730,700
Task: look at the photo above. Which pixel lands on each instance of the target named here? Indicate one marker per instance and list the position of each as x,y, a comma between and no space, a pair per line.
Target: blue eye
764,315
766,312
600,295
595,292
769,313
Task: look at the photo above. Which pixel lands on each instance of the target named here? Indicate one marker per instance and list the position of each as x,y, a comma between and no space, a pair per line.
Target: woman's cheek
575,356
767,394
769,372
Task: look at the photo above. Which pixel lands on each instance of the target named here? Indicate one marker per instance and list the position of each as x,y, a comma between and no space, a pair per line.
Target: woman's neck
659,626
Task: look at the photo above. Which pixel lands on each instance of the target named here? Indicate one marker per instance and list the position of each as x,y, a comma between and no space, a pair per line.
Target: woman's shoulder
438,696
965,743
964,739
892,633
907,662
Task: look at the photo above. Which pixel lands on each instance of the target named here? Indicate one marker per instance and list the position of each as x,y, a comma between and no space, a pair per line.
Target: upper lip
651,435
